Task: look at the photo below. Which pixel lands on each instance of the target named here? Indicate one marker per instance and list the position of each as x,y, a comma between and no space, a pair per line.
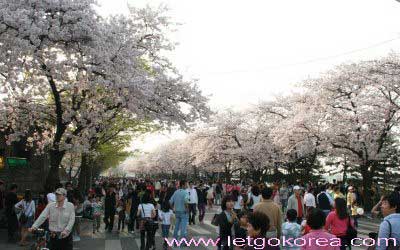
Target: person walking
296,202
27,214
218,193
165,216
61,216
254,197
210,196
283,192
179,201
134,200
193,200
146,212
272,210
202,201
12,220
2,197
238,201
324,201
226,219
337,193
110,208
97,208
121,214
338,221
309,199
317,234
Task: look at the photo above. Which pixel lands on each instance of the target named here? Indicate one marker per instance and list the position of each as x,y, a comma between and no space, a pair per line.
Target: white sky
245,51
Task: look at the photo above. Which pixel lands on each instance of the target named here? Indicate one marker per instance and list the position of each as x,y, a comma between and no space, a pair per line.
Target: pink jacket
337,226
319,240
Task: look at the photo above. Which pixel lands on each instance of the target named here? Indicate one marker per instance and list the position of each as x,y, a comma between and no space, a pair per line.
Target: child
165,216
305,229
354,213
97,208
121,214
291,229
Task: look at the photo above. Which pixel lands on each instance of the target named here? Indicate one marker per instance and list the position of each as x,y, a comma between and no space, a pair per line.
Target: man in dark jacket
133,195
110,203
170,191
12,221
324,201
202,200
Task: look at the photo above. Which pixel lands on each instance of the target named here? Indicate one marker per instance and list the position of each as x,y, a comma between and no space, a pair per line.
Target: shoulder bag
149,224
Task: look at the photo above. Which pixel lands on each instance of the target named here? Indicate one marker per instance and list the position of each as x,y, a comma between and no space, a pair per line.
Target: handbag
351,232
23,218
147,224
391,245
215,220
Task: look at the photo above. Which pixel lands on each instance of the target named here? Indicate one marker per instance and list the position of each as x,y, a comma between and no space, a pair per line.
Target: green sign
17,162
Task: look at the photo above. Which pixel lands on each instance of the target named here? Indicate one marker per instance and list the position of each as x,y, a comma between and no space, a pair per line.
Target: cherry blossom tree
360,103
64,70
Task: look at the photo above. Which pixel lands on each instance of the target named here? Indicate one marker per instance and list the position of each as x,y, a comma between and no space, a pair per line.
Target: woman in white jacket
27,215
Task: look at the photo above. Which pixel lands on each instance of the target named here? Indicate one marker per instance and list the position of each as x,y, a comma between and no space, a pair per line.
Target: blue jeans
182,220
165,234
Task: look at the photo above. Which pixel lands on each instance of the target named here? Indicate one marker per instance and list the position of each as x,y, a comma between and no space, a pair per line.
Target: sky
243,52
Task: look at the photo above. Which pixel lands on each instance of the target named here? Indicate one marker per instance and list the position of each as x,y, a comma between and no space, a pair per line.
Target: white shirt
193,199
147,207
237,203
28,208
60,218
256,199
309,200
165,217
157,186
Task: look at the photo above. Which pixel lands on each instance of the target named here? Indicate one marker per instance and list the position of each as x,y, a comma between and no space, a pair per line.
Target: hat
61,191
296,188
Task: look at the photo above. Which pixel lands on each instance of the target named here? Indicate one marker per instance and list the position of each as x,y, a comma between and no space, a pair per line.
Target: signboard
2,162
17,162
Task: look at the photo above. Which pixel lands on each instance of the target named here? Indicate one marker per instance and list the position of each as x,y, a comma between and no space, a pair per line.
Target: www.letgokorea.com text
260,243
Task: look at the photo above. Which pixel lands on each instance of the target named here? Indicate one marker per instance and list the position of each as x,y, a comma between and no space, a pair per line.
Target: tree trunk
84,176
53,177
367,188
227,172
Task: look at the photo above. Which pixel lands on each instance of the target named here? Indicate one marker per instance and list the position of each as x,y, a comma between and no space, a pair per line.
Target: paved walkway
126,241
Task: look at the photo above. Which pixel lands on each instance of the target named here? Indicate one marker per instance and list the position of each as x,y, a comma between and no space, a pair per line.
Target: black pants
12,226
109,220
121,221
132,218
344,243
150,241
192,213
61,244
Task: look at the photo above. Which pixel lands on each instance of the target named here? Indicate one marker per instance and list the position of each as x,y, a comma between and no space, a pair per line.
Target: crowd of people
307,211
